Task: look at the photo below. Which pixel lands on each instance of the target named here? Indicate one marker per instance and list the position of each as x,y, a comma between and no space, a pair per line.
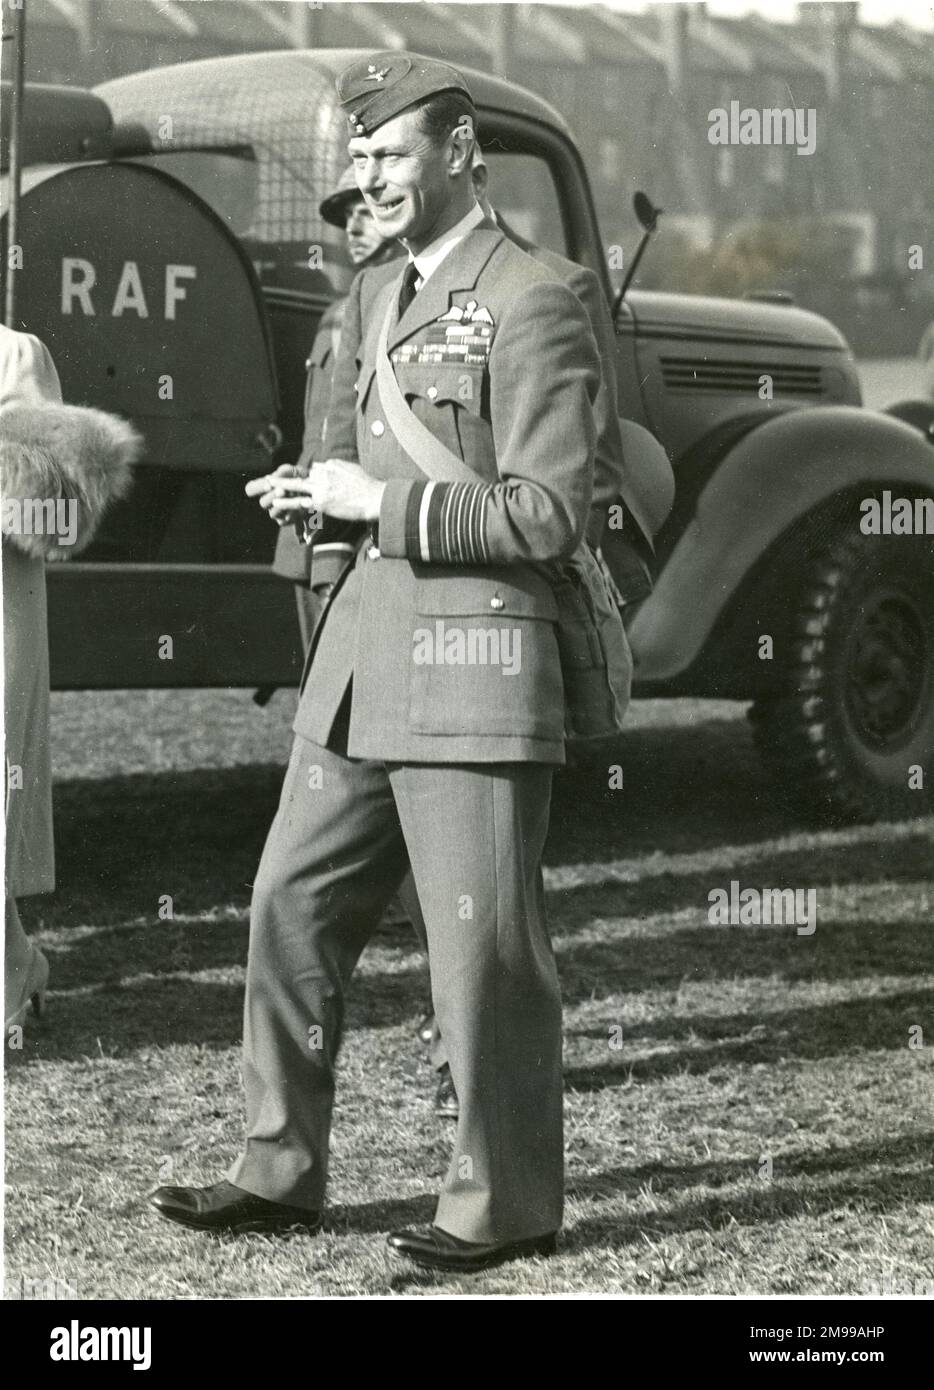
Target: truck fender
770,479
919,414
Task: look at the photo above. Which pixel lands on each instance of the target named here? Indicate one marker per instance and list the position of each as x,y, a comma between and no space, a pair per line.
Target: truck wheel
847,745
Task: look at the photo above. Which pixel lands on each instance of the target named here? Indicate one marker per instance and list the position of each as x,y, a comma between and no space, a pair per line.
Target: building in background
835,227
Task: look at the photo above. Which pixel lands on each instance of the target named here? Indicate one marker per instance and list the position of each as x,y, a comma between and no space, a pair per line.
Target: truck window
522,190
228,181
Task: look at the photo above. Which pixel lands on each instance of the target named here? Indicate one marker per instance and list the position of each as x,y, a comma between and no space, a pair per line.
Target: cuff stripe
412,509
446,522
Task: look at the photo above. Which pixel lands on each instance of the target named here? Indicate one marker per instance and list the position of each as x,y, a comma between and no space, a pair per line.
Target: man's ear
463,137
480,175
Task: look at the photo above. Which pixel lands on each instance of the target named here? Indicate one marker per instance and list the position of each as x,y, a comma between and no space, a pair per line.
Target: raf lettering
81,292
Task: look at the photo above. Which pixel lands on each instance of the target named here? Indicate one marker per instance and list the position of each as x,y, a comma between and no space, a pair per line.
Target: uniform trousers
342,839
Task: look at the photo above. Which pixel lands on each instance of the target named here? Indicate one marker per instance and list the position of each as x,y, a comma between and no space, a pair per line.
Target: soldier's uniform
292,559
440,764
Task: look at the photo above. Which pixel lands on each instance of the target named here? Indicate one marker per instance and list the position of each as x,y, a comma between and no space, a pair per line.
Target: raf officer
612,482
406,751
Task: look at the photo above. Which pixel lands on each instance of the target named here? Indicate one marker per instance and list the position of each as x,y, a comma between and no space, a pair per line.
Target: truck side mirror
647,214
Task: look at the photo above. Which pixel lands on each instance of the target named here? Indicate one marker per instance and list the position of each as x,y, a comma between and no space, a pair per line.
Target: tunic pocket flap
492,597
442,383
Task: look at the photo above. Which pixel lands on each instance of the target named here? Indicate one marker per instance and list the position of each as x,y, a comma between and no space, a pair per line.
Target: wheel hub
886,668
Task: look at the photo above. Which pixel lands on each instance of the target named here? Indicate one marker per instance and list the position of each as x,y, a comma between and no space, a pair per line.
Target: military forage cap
373,90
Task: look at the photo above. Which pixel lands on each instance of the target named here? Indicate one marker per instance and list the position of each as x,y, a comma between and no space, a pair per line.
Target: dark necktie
407,292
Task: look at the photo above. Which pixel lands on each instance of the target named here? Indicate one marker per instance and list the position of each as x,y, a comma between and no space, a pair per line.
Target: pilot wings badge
471,312
468,335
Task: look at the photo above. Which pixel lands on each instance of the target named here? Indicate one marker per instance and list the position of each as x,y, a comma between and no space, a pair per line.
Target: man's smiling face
404,178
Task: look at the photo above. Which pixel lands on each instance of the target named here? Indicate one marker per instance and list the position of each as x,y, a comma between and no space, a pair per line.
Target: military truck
176,265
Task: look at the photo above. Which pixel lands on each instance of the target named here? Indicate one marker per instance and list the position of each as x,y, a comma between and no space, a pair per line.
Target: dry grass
740,1044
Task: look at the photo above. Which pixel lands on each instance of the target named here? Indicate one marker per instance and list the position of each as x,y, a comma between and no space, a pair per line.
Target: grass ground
766,1126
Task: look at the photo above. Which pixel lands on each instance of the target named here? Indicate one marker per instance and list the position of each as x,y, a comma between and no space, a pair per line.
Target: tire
861,714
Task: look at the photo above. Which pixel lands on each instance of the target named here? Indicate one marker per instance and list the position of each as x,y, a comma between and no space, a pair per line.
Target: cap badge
375,74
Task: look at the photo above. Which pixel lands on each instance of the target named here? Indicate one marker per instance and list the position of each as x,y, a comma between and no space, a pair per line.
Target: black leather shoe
446,1102
224,1207
433,1248
426,1028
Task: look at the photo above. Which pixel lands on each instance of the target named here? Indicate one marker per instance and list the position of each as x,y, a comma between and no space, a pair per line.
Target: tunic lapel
459,271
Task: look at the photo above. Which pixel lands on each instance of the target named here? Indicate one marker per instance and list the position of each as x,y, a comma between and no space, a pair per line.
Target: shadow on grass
833,1181
848,950
114,1019
864,1175
825,1030
367,1218
123,842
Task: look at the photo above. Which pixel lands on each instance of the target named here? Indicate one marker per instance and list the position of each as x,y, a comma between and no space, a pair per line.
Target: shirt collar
427,261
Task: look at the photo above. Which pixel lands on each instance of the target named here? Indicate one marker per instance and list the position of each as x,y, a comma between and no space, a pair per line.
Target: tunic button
377,428
432,392
372,552
497,602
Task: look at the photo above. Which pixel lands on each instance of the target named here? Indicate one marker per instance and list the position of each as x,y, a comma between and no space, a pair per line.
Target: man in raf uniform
612,481
407,751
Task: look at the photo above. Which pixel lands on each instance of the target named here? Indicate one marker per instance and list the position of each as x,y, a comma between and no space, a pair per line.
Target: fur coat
60,466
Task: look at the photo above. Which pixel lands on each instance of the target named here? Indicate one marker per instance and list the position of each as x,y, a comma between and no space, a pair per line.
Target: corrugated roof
141,18
704,53
769,47
149,19
632,47
864,64
913,48
433,29
238,21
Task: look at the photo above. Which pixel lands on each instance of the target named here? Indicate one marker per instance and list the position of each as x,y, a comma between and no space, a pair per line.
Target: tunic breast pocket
450,400
443,384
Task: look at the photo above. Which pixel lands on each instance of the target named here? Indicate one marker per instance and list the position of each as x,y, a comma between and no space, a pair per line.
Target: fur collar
68,452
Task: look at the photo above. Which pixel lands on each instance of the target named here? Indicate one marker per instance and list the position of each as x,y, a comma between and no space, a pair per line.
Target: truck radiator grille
698,374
